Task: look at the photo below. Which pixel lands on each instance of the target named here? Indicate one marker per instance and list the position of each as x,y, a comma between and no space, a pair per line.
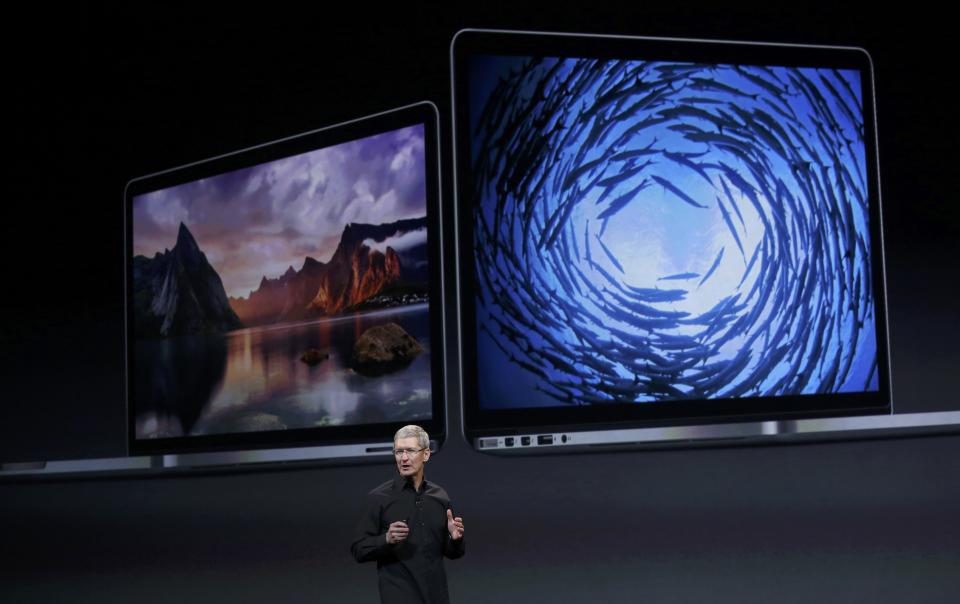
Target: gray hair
412,431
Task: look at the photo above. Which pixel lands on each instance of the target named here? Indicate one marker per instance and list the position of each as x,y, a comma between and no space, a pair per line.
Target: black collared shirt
412,570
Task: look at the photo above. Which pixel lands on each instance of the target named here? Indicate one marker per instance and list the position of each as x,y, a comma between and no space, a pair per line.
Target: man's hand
397,532
454,525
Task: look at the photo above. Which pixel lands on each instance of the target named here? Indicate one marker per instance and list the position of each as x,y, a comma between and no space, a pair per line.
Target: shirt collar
400,483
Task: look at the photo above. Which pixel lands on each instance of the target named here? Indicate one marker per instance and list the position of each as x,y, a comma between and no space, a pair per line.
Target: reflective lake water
253,380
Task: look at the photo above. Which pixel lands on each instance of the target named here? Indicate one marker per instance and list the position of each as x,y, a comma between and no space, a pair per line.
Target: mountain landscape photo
336,230
286,295
355,275
178,292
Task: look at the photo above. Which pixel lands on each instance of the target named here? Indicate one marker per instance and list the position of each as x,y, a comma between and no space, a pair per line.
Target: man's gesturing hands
397,532
454,525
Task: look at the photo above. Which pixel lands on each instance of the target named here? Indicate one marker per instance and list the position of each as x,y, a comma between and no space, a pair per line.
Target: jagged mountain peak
185,240
354,273
180,293
310,262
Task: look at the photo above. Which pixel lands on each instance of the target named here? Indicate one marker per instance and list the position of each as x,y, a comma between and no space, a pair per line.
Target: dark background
107,94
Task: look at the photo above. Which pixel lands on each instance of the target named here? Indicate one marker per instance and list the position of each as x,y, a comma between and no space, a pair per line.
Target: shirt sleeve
370,543
453,549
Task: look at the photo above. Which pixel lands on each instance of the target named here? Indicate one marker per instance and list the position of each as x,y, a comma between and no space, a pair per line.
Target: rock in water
314,356
383,349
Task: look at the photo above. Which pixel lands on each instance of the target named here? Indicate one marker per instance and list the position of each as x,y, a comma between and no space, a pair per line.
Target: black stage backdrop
113,93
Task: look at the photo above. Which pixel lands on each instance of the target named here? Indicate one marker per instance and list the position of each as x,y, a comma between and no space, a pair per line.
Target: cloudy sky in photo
259,221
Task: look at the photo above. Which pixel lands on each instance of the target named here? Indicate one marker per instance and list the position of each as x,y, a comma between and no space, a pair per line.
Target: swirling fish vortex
653,231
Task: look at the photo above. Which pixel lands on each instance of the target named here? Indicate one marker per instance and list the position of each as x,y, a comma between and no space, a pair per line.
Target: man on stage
408,527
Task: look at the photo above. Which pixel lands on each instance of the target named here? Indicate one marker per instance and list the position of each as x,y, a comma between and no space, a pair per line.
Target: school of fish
564,148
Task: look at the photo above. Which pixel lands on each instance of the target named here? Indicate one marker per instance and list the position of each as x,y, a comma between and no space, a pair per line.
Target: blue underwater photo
657,231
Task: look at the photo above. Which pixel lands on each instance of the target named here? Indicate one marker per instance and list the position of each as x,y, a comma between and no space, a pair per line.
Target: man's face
410,464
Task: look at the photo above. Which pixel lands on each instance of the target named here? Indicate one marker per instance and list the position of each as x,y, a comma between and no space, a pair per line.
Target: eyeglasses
407,452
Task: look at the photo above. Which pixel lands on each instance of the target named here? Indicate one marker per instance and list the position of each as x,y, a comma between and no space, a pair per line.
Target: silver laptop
284,301
664,240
